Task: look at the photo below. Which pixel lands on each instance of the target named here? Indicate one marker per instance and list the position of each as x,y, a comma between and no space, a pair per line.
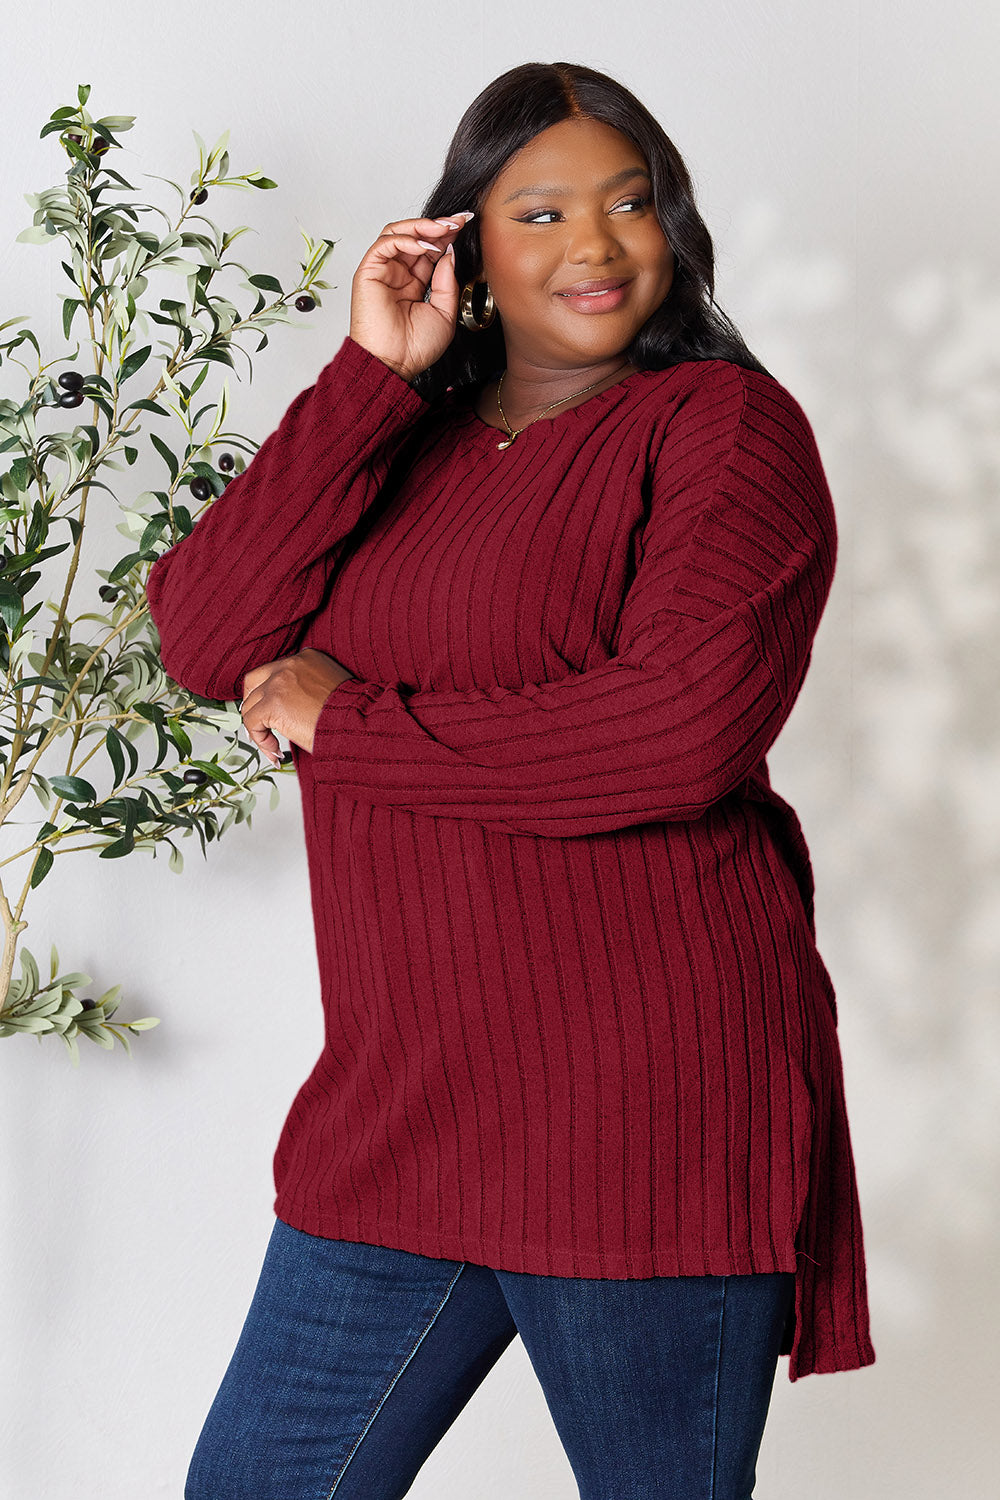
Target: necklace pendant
506,443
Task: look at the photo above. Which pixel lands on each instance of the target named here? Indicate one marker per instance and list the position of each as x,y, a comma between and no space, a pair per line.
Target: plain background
845,158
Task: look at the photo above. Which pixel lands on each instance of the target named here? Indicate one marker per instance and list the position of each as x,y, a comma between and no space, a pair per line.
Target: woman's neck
525,398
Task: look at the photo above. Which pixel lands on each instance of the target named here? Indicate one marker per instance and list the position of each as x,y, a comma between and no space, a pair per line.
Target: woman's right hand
389,316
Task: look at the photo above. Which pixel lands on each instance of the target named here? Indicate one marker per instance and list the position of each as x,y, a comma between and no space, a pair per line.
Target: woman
529,580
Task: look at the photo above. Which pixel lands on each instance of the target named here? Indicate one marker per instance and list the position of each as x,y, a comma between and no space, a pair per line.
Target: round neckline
463,402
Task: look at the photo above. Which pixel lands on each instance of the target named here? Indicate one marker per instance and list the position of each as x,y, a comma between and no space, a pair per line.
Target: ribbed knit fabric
576,1020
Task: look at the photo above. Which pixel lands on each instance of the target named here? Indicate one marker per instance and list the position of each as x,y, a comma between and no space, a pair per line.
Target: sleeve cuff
370,382
341,712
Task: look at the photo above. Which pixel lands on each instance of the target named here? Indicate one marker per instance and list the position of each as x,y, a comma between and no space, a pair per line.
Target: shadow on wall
901,381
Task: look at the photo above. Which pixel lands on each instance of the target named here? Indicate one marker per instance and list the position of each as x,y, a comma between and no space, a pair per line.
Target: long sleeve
714,639
236,591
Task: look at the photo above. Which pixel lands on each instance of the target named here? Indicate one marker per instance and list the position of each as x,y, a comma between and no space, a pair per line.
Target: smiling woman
574,182
581,1078
580,245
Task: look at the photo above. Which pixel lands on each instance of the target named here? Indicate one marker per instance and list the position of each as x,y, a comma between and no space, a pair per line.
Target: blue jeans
355,1359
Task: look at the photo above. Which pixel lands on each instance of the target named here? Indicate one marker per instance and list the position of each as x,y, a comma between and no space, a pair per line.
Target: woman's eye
540,213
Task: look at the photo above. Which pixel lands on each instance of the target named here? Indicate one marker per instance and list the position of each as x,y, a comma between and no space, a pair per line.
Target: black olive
226,461
194,776
305,304
200,488
71,398
71,380
89,1004
108,592
197,197
100,146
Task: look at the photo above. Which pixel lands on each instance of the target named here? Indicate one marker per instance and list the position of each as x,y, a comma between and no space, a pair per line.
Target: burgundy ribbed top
576,1020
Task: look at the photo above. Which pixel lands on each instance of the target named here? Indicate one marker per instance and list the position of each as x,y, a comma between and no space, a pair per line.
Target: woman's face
574,204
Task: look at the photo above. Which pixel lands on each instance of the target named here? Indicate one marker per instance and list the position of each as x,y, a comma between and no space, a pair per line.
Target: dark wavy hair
510,112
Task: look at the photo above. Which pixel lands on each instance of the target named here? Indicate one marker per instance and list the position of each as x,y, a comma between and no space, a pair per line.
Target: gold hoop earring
465,308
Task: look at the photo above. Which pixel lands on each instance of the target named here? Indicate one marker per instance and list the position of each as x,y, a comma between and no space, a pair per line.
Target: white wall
846,159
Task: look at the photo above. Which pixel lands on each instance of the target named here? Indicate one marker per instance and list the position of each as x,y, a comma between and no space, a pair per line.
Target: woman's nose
591,240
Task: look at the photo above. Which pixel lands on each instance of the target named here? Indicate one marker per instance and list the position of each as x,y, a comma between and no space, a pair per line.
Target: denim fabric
355,1359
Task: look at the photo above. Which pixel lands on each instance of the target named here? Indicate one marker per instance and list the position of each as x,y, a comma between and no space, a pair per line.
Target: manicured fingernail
428,246
467,214
449,222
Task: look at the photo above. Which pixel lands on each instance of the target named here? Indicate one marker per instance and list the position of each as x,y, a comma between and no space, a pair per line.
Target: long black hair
510,112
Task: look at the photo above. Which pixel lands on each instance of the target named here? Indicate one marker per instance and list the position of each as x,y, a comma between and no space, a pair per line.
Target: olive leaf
133,762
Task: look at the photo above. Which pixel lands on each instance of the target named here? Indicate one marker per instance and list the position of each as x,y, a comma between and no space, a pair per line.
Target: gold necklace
512,435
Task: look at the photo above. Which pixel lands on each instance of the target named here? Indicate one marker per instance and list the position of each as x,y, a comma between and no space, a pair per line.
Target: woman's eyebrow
602,187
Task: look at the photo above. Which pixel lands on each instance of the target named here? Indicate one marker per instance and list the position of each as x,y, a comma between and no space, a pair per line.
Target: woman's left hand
286,696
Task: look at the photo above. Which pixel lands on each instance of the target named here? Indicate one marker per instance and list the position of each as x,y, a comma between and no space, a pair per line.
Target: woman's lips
589,302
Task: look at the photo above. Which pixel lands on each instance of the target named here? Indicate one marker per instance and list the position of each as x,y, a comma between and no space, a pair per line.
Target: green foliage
89,688
35,1009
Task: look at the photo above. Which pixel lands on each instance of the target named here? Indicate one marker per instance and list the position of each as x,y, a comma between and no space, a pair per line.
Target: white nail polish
428,246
